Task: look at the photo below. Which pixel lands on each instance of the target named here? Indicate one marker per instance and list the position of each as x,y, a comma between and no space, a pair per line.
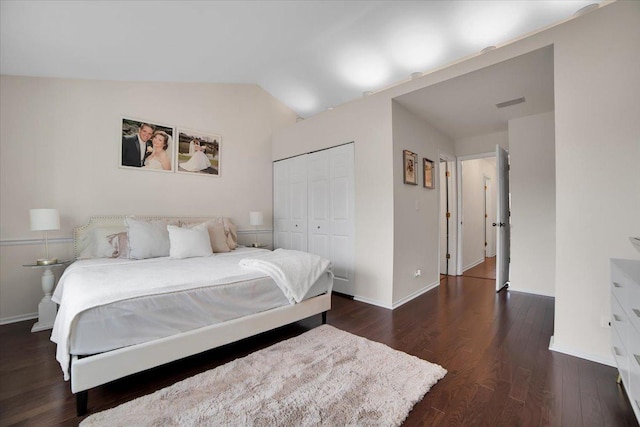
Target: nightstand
46,309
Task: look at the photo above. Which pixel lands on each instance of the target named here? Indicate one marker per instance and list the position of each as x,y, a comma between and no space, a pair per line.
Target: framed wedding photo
410,173
198,152
146,146
428,173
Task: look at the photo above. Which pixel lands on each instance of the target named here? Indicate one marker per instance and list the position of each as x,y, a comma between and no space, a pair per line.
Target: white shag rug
323,377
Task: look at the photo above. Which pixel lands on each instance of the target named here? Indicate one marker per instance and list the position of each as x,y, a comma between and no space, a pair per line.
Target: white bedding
293,271
94,283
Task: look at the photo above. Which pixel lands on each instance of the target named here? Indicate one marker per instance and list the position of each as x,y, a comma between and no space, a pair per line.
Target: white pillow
147,238
96,244
187,242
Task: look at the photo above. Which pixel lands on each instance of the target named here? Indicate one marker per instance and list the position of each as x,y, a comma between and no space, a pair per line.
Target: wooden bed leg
82,398
324,317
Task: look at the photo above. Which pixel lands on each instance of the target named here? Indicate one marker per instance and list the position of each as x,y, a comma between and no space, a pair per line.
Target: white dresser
625,316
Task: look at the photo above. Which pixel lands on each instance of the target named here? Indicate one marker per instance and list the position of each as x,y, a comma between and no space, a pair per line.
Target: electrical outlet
605,322
418,273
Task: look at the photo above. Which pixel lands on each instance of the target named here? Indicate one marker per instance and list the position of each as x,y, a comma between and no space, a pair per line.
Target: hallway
484,270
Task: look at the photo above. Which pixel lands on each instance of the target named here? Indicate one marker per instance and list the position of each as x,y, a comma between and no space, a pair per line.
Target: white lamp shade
44,219
256,218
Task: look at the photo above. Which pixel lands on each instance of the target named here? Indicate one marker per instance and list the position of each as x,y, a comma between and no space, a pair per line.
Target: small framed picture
410,173
429,182
198,152
146,145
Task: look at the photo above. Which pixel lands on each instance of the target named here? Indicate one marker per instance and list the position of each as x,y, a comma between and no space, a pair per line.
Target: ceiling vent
510,103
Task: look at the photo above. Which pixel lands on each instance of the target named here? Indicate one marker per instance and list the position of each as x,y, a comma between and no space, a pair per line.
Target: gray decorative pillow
147,238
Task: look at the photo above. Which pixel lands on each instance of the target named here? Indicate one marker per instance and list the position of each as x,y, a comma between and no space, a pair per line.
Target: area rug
323,377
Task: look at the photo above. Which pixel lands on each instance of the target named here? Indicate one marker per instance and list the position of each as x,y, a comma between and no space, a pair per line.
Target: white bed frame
92,371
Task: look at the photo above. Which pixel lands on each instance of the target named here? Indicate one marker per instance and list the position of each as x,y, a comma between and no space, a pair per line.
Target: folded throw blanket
294,272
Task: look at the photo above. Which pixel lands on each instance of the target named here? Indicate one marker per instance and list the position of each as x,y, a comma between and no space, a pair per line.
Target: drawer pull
617,352
637,358
636,311
616,318
617,285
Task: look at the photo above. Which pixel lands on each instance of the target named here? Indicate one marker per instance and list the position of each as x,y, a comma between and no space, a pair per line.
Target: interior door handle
499,225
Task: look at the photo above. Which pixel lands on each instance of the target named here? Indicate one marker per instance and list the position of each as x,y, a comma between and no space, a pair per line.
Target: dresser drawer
618,283
621,356
619,319
633,303
633,345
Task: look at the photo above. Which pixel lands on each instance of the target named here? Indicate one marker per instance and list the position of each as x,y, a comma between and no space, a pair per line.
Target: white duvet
92,283
293,271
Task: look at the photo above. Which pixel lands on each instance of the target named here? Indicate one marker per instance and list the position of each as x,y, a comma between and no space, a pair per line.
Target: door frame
453,207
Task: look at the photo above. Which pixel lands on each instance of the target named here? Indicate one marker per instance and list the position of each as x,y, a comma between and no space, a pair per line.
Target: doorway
477,202
447,216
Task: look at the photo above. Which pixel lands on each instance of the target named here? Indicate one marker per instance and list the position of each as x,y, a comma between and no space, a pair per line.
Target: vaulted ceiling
308,54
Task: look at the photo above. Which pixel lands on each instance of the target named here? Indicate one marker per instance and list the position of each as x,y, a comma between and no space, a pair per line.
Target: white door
290,203
331,211
502,220
319,204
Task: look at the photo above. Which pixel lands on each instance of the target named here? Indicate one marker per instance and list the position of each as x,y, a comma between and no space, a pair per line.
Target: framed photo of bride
198,152
147,146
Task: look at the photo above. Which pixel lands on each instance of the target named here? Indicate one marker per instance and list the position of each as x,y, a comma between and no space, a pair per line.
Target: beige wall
533,204
597,174
366,122
59,147
596,57
478,144
416,215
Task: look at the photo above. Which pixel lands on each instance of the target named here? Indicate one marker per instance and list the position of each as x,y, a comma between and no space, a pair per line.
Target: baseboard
529,291
609,361
415,294
371,302
16,319
473,264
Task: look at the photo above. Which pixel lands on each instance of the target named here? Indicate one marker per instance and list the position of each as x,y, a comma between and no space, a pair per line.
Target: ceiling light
487,49
511,102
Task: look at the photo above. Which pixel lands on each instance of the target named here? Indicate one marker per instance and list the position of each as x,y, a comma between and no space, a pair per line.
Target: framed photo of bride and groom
151,146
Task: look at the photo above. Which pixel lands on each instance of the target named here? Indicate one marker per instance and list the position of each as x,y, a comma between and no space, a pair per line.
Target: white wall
596,57
416,216
367,123
597,169
533,204
482,143
59,147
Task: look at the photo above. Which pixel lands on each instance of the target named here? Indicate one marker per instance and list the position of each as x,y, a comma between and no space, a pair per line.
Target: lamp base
43,261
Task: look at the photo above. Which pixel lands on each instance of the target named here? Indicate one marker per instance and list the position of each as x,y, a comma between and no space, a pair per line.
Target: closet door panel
319,204
281,205
290,203
342,216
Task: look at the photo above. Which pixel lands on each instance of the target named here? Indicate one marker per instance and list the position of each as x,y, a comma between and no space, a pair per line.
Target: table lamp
256,219
45,220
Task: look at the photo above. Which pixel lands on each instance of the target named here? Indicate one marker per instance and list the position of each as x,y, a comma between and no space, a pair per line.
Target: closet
313,208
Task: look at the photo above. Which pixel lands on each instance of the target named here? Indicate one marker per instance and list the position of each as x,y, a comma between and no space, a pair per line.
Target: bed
119,316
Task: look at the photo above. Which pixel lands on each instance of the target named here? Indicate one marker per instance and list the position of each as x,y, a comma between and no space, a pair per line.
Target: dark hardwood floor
484,270
495,347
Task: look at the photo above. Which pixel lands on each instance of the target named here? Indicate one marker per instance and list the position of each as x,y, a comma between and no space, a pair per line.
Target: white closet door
290,203
319,188
331,211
